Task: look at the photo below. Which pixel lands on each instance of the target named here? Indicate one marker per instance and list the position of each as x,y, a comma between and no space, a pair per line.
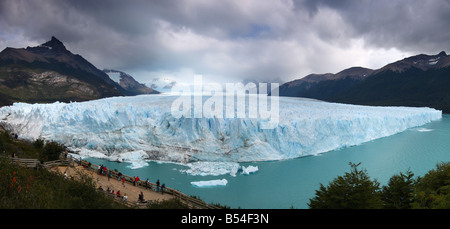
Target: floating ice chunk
137,164
211,168
249,169
210,183
424,130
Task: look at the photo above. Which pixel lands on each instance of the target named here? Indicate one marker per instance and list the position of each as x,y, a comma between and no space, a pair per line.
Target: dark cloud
231,39
416,26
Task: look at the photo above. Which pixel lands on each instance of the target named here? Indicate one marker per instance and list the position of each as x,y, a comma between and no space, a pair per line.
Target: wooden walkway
189,201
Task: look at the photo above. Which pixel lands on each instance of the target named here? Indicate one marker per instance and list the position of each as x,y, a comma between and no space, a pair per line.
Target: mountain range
49,72
162,84
421,80
127,82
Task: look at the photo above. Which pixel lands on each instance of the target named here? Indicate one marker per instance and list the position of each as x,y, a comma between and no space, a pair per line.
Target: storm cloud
231,40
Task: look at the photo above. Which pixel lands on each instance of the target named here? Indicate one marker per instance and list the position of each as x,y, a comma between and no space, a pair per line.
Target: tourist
118,176
125,197
157,185
162,188
123,182
141,198
118,194
137,181
146,184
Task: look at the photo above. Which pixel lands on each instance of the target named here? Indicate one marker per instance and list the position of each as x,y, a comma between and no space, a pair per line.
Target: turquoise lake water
291,183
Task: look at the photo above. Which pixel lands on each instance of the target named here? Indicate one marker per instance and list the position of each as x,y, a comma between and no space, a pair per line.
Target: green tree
39,143
51,151
2,145
398,194
354,190
433,189
4,139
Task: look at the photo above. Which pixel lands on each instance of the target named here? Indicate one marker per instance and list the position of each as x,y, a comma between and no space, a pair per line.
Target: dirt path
113,184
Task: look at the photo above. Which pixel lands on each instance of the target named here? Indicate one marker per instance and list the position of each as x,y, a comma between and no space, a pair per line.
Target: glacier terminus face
143,126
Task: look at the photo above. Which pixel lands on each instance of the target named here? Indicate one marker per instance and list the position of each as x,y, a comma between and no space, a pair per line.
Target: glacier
143,128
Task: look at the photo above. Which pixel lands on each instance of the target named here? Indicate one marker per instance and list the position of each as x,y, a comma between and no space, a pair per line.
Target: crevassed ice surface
116,126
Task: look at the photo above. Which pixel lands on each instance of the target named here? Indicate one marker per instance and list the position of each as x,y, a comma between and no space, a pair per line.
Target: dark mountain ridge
48,73
421,80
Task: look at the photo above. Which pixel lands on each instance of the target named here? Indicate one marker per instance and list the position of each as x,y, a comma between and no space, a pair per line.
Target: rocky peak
442,54
54,45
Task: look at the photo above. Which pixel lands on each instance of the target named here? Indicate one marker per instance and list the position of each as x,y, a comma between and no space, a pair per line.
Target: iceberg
249,169
212,168
424,130
143,128
210,183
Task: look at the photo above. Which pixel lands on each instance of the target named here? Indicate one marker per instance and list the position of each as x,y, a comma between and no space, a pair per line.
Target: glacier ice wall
115,126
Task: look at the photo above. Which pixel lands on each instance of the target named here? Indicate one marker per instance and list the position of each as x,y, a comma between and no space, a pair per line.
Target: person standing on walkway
157,185
162,188
123,182
137,181
146,184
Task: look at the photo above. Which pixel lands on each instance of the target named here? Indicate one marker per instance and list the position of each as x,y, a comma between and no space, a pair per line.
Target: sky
229,41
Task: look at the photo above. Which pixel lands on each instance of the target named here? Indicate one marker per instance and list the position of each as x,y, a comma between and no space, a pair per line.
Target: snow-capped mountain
162,84
129,83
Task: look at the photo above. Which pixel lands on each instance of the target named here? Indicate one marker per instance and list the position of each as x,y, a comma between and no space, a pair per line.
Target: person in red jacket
137,181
